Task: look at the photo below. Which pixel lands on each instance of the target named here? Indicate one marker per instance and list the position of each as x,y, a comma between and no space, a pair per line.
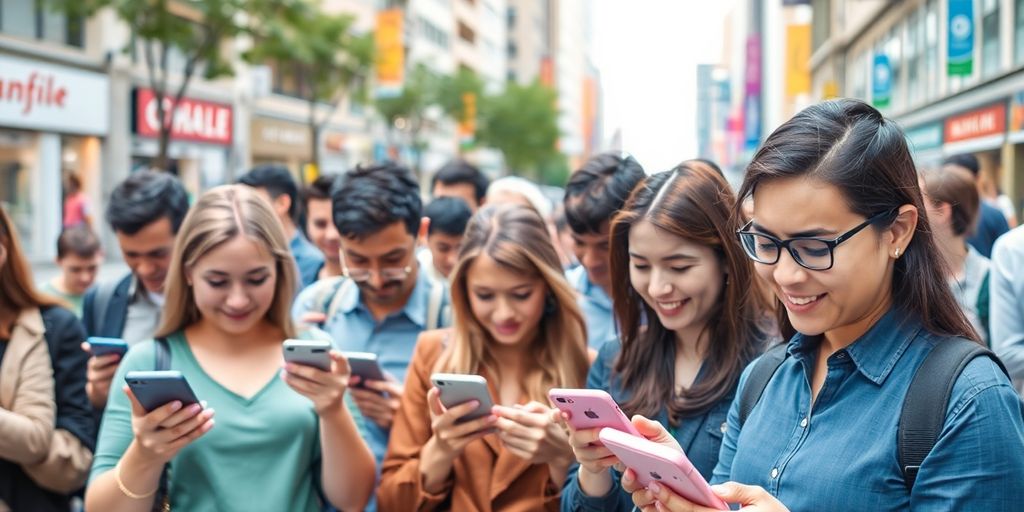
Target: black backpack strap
924,408
161,355
760,375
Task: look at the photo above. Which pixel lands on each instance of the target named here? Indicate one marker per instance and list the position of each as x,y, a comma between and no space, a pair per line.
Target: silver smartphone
155,388
365,366
315,353
458,389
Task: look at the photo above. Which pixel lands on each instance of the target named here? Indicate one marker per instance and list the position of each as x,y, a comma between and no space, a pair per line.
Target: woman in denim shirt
690,280
840,234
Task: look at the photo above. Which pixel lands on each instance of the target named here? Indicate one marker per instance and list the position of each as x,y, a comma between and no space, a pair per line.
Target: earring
896,254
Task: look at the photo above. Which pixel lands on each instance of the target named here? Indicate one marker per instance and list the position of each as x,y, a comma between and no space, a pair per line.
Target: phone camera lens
440,383
570,400
291,349
560,400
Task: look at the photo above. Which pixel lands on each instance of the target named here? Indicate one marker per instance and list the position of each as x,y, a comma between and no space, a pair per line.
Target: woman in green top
228,295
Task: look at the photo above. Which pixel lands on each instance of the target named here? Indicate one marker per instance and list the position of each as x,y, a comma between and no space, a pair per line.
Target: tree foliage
522,123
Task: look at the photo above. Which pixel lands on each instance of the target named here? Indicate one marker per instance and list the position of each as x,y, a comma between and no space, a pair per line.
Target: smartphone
654,462
365,366
102,346
591,408
458,389
156,388
315,353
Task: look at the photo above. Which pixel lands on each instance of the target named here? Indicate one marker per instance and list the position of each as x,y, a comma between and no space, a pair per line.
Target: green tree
452,91
522,123
405,112
196,29
323,50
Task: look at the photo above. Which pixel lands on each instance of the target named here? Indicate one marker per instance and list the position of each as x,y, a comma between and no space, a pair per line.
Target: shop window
19,165
33,19
1018,32
990,47
931,50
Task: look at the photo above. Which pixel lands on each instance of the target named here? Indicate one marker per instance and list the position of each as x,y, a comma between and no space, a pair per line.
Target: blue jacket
109,322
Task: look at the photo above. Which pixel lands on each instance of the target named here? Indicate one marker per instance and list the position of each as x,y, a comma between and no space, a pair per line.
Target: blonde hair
516,238
220,215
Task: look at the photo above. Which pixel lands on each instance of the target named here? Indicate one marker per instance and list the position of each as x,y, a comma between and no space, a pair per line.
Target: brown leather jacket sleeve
401,486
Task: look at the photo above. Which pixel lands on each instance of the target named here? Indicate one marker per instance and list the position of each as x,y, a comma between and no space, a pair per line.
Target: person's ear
282,204
902,229
424,230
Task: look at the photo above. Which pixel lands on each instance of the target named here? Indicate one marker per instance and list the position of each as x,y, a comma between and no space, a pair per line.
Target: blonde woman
516,324
228,294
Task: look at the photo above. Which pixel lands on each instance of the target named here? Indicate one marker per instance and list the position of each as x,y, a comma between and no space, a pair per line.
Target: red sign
194,120
978,123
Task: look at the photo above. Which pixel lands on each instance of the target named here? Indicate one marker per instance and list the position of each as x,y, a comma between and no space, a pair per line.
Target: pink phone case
654,462
591,408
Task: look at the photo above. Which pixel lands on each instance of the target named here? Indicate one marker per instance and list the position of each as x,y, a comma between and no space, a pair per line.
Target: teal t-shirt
260,454
75,301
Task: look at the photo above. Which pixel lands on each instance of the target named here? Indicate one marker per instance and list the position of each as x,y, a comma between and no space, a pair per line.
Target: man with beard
383,301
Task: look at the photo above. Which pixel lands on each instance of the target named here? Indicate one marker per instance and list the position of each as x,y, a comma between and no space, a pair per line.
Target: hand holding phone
315,353
98,346
364,366
450,436
458,389
105,357
166,415
652,462
591,408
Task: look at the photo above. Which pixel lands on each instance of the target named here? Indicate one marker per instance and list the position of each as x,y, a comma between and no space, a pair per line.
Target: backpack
331,290
924,408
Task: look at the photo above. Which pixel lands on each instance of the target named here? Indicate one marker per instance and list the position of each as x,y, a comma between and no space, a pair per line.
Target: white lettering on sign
191,120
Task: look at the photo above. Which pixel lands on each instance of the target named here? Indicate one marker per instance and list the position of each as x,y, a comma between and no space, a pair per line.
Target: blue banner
881,81
960,38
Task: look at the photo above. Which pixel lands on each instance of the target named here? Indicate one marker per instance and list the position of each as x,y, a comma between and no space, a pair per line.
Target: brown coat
485,477
27,409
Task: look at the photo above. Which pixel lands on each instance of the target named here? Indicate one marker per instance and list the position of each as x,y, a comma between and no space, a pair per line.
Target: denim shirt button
775,473
803,423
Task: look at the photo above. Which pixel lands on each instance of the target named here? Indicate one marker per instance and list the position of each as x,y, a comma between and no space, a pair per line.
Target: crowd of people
787,337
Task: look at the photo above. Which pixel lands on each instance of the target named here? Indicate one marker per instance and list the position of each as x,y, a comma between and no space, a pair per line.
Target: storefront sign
881,81
193,120
798,59
274,137
923,138
47,97
978,123
390,51
752,99
960,31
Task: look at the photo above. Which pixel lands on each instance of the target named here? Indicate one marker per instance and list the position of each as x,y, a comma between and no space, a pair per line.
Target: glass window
859,73
894,49
821,22
19,162
18,18
1018,32
915,62
931,49
990,54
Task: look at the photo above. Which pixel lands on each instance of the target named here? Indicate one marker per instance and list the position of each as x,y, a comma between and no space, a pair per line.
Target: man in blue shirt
593,195
991,221
385,299
277,186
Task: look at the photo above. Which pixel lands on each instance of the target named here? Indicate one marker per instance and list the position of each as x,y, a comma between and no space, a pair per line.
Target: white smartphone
315,353
458,389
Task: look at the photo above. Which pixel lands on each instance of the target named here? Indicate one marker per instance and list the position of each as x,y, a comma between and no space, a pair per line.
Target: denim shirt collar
875,353
415,308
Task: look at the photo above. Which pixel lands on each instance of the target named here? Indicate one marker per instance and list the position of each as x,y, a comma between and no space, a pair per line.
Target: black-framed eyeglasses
809,252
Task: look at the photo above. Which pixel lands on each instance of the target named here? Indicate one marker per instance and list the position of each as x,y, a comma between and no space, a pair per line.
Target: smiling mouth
803,301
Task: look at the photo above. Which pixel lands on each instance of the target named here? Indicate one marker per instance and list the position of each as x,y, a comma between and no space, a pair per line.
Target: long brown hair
221,214
849,145
17,291
516,238
694,202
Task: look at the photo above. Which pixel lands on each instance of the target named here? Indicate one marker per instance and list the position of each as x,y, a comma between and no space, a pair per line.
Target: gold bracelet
132,495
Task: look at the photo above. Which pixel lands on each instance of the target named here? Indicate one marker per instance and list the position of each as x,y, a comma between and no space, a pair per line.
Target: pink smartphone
654,462
591,408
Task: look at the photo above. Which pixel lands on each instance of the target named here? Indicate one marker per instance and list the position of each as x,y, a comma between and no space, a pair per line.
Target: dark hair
954,186
448,215
848,144
694,202
461,171
369,198
598,189
277,181
144,198
711,164
78,240
966,160
320,188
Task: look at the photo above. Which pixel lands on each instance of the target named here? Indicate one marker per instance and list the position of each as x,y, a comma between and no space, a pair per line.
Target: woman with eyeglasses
840,235
688,277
